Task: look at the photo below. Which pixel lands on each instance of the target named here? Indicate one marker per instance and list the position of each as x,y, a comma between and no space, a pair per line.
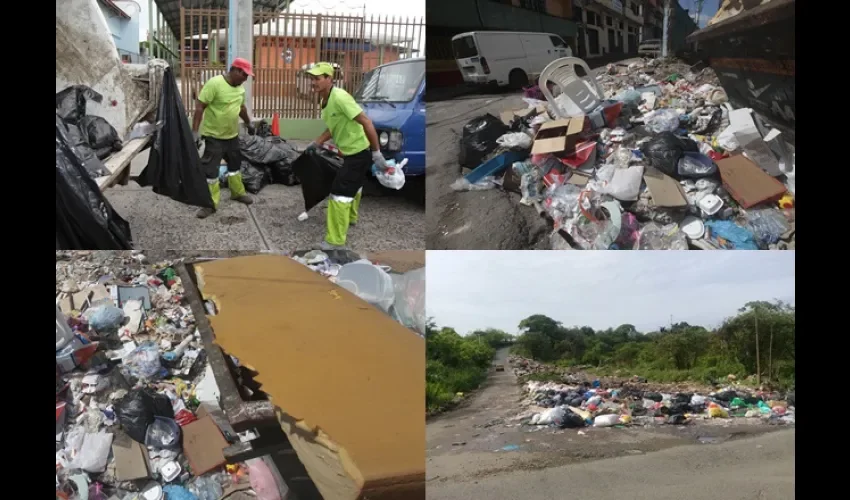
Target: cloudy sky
471,290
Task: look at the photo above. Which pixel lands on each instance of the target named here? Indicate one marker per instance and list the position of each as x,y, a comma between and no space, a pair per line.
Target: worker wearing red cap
216,123
355,137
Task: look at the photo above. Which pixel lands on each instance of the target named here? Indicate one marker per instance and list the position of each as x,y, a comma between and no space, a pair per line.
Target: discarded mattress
348,378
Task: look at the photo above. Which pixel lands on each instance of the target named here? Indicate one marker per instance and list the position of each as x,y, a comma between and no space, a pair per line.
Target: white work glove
197,137
379,161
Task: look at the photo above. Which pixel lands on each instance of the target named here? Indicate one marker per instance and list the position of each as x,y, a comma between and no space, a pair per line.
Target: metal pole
665,29
232,6
149,53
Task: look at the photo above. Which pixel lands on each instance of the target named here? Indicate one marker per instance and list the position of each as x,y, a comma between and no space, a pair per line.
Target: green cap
321,68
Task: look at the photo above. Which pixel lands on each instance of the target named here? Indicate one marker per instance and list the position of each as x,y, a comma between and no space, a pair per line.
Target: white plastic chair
584,92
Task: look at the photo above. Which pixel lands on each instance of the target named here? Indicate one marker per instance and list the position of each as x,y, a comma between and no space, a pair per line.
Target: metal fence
286,44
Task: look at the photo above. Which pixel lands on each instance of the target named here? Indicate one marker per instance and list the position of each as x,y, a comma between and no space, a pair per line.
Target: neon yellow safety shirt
338,114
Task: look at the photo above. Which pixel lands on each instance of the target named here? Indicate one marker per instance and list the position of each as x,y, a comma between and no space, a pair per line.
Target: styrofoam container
693,227
710,204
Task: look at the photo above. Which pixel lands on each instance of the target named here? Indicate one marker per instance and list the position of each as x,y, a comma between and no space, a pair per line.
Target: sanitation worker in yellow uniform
355,137
218,109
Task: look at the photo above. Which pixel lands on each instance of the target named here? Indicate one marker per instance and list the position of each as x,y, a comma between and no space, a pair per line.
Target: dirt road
481,445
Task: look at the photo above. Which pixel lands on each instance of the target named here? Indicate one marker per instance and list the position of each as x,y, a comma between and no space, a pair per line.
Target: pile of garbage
401,296
589,404
663,162
135,396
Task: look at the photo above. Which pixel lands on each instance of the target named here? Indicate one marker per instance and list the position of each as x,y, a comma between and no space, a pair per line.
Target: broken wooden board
348,379
118,163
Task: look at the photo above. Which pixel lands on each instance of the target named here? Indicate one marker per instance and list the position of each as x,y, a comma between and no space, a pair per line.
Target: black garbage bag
677,419
136,411
282,173
71,102
316,170
571,421
263,129
479,139
682,397
653,396
664,150
726,396
174,167
266,150
77,139
102,137
680,408
84,218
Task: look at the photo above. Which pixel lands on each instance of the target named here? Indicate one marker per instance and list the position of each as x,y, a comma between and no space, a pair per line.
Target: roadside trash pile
588,404
662,162
136,400
401,296
605,402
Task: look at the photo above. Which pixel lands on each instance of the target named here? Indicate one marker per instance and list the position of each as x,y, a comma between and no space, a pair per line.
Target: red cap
244,65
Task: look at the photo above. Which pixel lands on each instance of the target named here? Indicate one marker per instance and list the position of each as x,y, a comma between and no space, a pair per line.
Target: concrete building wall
608,29
125,32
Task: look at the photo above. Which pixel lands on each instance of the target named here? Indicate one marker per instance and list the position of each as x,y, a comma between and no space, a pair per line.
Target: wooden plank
117,163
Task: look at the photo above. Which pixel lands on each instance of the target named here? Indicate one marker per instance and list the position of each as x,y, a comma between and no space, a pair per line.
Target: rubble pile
134,392
663,162
584,402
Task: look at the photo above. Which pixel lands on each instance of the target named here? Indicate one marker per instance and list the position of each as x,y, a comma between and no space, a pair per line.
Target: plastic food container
692,227
369,282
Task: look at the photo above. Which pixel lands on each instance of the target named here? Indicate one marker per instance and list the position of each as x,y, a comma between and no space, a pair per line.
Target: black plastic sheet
174,167
71,102
254,177
479,139
84,218
87,156
316,170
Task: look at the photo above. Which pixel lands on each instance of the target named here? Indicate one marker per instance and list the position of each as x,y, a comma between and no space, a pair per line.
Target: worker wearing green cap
355,137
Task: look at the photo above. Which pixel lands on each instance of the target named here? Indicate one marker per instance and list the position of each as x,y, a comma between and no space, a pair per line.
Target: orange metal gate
286,44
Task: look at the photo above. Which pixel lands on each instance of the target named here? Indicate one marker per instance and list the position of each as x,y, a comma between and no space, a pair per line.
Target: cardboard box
665,191
557,136
748,184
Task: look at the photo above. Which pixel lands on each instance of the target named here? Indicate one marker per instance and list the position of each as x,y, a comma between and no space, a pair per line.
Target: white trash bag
393,178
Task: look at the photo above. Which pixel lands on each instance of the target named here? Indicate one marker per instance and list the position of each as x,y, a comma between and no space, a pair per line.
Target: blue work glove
379,161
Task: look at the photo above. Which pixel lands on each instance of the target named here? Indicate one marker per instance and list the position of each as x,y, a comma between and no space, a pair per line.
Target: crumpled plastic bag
94,452
664,150
393,177
624,183
409,304
667,237
143,363
464,185
478,139
606,420
515,140
551,416
104,317
663,120
71,102
163,433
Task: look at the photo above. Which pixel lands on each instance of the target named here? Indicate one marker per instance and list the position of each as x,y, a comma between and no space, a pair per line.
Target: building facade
122,20
608,28
447,18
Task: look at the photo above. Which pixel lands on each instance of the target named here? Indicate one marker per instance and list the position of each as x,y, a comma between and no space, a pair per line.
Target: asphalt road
388,220
756,468
480,451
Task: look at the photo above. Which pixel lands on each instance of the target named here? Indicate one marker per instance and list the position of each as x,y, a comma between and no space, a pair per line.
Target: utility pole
665,37
240,40
770,354
698,7
758,359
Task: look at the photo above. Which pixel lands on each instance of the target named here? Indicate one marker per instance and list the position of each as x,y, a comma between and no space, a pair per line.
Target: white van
506,57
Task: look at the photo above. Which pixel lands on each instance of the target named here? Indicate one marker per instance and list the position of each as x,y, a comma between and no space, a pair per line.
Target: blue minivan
391,95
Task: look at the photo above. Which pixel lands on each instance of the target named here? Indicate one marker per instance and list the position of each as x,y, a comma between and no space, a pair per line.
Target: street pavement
388,221
475,220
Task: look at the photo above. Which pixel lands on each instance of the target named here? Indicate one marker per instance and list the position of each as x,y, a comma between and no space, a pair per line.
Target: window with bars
635,8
